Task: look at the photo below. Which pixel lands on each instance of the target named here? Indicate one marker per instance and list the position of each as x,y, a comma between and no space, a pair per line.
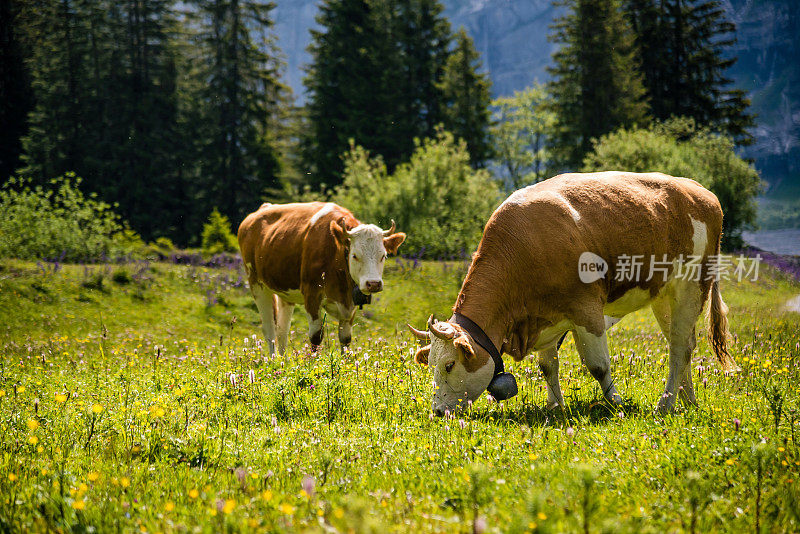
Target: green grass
143,401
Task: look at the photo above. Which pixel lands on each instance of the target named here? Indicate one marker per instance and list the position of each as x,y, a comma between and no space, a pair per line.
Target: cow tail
717,320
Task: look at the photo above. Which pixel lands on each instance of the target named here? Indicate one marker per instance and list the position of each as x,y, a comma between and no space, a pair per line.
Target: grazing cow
315,254
561,256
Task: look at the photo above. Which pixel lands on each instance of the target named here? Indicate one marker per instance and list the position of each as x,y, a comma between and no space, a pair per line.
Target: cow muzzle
373,286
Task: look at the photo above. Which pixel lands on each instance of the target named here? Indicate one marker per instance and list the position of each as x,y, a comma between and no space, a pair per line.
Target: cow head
367,247
461,369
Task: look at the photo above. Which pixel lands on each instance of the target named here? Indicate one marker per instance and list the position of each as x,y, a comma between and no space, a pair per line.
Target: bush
217,235
55,222
436,198
678,147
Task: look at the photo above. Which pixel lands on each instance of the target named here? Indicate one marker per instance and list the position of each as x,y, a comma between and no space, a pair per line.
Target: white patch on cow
454,390
293,296
367,257
572,211
518,197
611,321
549,336
264,302
699,237
323,211
632,300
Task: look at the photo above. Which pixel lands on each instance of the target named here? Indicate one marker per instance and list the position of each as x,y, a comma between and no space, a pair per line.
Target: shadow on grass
595,412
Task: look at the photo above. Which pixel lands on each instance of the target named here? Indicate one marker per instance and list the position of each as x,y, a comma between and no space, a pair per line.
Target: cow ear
462,342
421,356
393,242
339,230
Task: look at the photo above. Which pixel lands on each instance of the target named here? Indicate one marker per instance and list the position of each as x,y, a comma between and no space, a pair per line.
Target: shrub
437,198
54,222
217,235
678,147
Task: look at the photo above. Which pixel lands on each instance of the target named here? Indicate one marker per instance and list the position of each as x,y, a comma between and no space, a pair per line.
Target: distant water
785,241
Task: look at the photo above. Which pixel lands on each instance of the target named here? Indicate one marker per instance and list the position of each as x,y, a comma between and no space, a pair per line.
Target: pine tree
596,85
466,98
379,75
238,94
15,90
683,45
351,82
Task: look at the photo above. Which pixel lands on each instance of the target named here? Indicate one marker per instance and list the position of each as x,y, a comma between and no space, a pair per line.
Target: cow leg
594,353
662,313
548,363
283,319
345,317
265,302
685,308
313,302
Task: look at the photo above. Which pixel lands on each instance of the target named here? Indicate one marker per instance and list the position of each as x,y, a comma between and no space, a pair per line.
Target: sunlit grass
149,404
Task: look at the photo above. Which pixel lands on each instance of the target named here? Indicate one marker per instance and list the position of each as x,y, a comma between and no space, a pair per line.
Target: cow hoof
666,404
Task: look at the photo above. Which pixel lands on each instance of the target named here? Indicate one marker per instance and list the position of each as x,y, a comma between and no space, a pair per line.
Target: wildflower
169,506
124,482
308,485
61,398
737,424
33,440
79,505
97,408
93,476
286,509
12,477
542,516
33,424
570,432
479,526
228,507
267,495
241,475
193,493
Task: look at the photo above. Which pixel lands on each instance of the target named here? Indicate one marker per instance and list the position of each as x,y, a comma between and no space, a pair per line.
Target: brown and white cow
315,254
525,289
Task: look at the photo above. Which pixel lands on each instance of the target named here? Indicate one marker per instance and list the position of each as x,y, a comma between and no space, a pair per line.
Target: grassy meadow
138,397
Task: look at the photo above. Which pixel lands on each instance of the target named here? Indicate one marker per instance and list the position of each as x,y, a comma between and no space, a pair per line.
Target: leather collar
480,337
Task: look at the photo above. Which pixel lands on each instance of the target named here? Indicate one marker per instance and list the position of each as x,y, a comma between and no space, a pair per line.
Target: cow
316,254
550,261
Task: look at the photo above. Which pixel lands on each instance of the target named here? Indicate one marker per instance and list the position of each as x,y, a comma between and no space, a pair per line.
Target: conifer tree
683,45
15,90
236,105
596,85
466,98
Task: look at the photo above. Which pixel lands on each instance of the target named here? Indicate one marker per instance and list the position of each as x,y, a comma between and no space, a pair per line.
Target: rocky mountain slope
512,38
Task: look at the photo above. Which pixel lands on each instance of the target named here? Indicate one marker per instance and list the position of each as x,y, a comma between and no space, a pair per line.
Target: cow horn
419,334
390,231
441,333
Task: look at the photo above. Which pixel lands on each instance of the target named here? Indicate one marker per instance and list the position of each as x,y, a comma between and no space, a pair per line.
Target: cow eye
449,366
355,257
384,257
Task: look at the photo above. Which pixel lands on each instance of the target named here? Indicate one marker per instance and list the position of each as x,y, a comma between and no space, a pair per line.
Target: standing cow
315,254
550,262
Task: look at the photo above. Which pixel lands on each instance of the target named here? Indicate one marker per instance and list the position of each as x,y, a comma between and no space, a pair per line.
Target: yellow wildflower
33,424
170,506
193,493
230,504
79,505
